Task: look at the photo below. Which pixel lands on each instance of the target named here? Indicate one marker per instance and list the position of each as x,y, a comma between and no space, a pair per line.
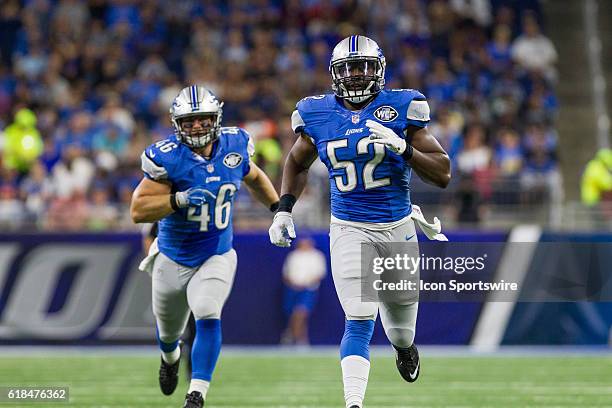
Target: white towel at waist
146,265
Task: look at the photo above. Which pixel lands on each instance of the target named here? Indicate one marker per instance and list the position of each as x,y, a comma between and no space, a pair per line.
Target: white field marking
512,267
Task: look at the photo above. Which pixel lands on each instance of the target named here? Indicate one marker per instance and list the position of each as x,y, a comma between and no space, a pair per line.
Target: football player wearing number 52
370,139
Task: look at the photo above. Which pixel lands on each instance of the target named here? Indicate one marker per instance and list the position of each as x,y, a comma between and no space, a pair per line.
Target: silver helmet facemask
357,79
202,136
357,68
191,103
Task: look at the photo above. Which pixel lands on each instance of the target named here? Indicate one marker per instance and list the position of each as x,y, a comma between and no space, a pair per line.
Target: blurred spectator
303,271
541,149
102,213
534,51
36,191
474,173
541,175
508,154
447,128
499,50
441,85
67,213
72,174
11,208
475,155
100,76
22,143
597,179
478,10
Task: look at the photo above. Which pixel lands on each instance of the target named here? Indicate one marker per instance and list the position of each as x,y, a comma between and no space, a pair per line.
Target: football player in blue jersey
370,139
190,182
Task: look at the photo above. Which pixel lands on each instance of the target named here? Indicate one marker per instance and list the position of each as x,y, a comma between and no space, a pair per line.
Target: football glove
383,135
282,230
194,197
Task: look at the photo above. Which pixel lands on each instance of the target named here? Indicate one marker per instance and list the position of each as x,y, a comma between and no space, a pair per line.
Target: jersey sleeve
297,123
159,161
417,113
311,114
152,166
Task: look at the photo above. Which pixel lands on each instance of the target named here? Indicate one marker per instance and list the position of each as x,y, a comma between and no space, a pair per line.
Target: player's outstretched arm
150,201
429,160
261,187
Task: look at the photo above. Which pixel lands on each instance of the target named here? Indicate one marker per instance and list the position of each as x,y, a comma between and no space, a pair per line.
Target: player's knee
355,309
205,307
168,336
400,337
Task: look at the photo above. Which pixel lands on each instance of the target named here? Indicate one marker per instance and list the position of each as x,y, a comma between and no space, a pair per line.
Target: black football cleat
168,376
355,406
407,362
194,400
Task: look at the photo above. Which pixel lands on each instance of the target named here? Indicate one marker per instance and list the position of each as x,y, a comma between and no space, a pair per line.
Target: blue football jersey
191,235
368,183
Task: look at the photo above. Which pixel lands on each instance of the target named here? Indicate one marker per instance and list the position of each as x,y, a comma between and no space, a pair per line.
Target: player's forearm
433,168
262,188
150,208
295,177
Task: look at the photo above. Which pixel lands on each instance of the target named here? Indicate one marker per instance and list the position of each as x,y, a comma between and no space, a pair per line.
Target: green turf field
308,381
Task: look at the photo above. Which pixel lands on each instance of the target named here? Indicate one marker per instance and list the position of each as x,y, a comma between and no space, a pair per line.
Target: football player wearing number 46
370,139
190,183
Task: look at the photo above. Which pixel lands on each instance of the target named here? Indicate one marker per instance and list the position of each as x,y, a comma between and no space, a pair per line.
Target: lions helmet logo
232,160
386,114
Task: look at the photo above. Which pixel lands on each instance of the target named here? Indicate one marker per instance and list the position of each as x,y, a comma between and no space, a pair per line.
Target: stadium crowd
86,85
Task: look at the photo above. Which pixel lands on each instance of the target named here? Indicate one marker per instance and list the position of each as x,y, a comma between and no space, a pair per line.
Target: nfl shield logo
210,168
355,118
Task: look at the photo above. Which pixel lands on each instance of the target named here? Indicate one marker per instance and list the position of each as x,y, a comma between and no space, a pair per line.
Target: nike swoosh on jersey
408,238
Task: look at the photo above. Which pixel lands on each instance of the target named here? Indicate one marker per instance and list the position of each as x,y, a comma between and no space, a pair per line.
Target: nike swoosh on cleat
416,371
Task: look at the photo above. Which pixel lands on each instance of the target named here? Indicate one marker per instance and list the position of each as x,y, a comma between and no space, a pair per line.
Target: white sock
173,356
355,372
199,385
